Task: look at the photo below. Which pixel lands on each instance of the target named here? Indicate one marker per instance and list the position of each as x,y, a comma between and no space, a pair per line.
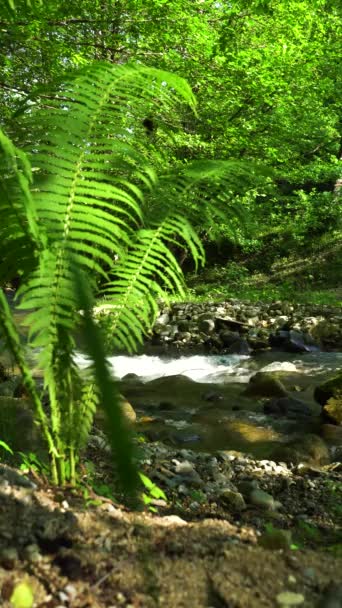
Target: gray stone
264,384
231,499
287,406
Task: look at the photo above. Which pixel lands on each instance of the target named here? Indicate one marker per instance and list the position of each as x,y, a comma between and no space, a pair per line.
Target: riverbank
230,531
238,327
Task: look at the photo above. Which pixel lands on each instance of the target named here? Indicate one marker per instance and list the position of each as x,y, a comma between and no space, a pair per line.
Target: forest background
267,78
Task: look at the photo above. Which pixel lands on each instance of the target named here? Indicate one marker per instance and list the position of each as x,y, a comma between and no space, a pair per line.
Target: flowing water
199,402
221,368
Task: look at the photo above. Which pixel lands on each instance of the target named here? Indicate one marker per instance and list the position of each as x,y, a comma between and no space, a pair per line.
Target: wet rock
239,347
264,384
290,340
130,378
328,332
229,337
329,388
332,410
287,407
329,395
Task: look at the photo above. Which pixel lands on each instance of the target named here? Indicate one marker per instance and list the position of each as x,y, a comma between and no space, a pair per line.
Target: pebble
32,553
71,591
262,499
232,499
288,598
8,557
173,520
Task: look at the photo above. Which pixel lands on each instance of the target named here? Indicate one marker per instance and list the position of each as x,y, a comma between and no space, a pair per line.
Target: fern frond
108,394
148,272
90,180
13,342
19,228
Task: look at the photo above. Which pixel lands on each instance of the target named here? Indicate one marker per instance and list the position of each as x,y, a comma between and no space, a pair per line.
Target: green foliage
267,78
91,211
152,492
6,447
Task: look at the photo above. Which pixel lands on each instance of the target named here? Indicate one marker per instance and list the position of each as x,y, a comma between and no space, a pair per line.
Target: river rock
290,340
17,426
232,324
288,407
329,388
264,384
128,410
332,410
328,332
308,448
229,337
239,347
231,499
262,499
329,395
206,326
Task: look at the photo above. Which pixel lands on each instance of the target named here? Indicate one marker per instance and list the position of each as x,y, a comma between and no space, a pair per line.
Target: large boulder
328,332
239,347
292,341
264,384
17,427
308,448
329,395
287,407
330,388
332,410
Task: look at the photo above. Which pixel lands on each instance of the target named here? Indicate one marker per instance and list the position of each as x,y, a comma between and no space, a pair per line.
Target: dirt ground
72,553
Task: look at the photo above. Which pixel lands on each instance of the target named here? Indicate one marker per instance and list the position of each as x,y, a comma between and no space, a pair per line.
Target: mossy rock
265,384
17,427
328,389
309,448
332,411
128,410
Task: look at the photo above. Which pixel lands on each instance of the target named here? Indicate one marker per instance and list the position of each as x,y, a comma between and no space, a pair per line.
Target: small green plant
6,447
198,496
152,492
32,462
